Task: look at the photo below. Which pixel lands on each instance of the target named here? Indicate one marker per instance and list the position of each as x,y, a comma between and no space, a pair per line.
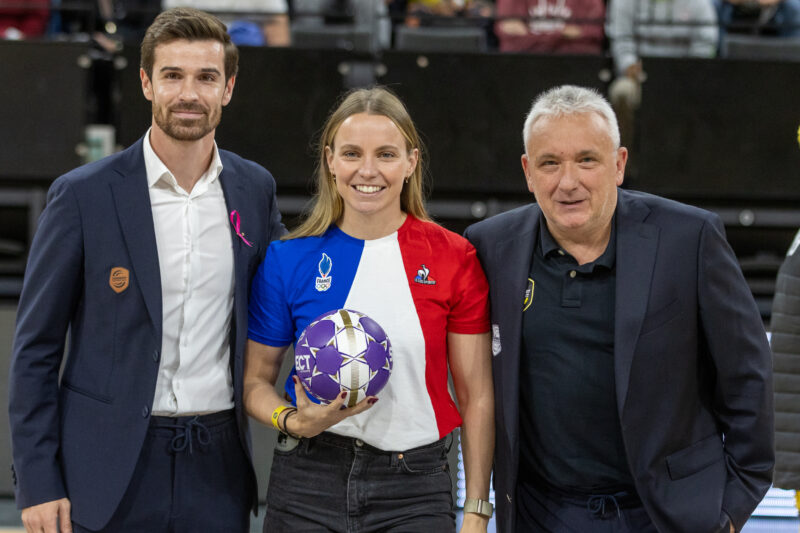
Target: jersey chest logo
423,276
324,281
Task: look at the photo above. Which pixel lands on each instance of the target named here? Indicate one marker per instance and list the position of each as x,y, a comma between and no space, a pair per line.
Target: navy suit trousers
545,512
192,475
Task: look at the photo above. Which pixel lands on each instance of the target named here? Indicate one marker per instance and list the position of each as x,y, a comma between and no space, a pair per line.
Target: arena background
718,133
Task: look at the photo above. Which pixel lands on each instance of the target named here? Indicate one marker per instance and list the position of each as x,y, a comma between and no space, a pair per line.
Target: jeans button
359,443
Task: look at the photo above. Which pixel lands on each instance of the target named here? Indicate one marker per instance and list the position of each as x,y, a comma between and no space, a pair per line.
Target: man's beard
185,129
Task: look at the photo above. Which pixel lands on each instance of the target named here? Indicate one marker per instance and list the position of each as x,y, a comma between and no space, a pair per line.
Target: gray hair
571,100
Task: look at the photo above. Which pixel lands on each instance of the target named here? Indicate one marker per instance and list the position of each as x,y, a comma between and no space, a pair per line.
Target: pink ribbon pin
235,220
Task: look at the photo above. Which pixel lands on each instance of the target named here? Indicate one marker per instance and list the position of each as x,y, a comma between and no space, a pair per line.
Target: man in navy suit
145,259
632,370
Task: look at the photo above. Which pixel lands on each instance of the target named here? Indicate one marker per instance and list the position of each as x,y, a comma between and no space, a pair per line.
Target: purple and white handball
343,351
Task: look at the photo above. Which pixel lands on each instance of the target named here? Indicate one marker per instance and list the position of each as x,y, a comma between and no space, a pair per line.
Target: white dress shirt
195,257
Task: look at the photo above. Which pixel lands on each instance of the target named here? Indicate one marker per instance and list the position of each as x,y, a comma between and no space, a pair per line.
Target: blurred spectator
474,13
21,19
109,22
770,17
551,26
129,19
437,8
250,22
442,12
636,28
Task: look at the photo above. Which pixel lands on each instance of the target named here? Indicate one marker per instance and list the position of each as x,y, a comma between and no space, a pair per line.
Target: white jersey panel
403,418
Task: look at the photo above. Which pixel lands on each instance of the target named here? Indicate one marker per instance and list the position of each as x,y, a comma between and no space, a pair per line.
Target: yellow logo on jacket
528,300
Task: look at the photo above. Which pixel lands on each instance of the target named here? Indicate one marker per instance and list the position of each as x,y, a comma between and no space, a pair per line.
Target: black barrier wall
469,108
708,129
42,108
720,129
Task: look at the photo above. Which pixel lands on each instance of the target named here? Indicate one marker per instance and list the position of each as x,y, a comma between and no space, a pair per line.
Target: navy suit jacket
692,364
79,436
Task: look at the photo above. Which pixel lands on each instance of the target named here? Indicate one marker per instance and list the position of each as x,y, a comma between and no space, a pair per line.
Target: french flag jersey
419,283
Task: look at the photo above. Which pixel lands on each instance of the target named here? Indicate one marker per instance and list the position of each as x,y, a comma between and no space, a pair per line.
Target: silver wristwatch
481,507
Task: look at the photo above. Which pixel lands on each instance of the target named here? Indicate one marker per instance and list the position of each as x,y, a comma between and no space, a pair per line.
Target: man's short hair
571,100
192,25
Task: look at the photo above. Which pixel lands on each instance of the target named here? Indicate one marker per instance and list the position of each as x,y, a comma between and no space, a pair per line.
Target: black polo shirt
570,431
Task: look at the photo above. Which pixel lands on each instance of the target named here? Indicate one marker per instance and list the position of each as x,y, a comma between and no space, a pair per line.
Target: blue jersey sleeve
270,320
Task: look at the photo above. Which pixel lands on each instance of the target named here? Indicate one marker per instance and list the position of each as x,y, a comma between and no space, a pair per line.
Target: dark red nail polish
343,395
371,401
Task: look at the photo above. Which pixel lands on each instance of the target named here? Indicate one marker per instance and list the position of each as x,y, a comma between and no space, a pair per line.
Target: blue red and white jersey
419,283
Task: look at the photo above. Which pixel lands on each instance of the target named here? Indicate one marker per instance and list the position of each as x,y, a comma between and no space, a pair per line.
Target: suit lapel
637,243
236,199
513,258
132,200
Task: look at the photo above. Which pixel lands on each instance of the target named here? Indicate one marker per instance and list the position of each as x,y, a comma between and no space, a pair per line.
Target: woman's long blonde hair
327,206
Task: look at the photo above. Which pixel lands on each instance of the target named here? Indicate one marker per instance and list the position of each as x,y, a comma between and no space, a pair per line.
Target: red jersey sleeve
469,313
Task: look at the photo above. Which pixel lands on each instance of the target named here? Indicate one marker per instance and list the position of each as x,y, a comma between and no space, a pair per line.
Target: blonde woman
380,465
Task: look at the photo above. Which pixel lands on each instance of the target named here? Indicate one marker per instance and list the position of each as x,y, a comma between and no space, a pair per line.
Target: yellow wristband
276,414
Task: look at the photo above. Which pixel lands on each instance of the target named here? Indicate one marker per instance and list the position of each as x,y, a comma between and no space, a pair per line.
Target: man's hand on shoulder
47,517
